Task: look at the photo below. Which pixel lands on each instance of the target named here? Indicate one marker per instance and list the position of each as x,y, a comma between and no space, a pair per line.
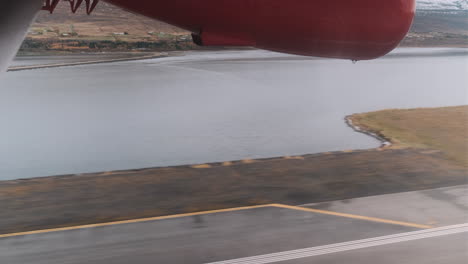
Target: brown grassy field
443,129
101,24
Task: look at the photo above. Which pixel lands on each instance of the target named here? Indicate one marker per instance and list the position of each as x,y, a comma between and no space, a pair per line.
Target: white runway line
346,246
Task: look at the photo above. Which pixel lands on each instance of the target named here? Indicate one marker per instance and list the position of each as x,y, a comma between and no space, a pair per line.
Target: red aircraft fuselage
348,29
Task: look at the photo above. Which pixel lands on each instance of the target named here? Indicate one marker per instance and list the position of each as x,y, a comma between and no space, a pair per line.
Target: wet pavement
238,233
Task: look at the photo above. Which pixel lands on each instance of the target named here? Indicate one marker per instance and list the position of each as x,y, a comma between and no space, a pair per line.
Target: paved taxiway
448,249
234,234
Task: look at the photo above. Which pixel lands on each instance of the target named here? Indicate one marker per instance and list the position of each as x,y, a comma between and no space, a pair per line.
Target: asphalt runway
443,249
414,227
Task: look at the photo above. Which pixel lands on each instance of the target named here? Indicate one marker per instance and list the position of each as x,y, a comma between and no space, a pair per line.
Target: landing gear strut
50,5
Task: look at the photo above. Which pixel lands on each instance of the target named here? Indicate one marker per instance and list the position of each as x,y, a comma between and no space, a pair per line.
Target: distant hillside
441,21
108,28
439,28
111,28
105,20
442,4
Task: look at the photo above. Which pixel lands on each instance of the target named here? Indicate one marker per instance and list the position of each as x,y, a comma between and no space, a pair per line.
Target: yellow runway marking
134,221
372,219
293,157
201,166
360,217
431,151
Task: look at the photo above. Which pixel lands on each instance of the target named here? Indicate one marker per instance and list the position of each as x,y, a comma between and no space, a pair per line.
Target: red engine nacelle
348,29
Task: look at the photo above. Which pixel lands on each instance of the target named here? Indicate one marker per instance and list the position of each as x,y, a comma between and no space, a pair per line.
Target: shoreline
92,198
385,143
132,56
67,64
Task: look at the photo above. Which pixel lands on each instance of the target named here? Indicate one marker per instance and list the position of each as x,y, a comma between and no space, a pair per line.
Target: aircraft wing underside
344,29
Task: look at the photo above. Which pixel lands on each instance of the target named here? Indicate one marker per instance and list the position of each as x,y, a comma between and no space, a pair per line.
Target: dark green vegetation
104,45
